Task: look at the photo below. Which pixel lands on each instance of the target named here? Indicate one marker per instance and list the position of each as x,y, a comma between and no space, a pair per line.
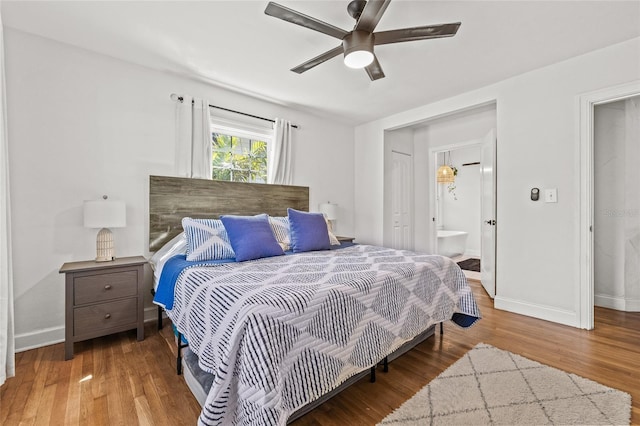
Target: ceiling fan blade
374,70
318,60
417,33
371,15
290,15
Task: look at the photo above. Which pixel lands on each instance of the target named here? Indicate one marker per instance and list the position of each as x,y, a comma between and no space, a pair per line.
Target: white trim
40,338
452,111
584,146
241,129
617,303
548,313
632,305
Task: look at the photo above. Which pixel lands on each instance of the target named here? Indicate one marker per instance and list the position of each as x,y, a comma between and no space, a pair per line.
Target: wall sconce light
105,214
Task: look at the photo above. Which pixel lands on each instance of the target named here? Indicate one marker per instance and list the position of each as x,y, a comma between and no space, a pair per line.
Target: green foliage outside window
239,159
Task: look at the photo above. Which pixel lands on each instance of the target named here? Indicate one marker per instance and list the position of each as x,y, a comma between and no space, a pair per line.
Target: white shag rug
489,386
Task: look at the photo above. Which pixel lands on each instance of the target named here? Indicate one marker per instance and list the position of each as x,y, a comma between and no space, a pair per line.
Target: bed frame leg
179,357
153,293
372,378
385,364
441,329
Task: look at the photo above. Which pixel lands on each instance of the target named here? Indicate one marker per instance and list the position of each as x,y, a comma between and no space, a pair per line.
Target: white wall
82,125
537,271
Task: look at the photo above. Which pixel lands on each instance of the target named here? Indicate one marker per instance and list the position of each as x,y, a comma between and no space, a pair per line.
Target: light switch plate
551,195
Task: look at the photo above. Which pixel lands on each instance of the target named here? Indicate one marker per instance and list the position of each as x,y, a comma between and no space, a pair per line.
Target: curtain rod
181,99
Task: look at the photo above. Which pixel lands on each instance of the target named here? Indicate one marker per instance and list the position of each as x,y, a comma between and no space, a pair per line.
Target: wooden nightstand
102,298
345,239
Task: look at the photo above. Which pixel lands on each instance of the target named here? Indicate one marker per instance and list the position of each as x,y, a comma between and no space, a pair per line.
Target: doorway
616,226
585,295
466,208
419,141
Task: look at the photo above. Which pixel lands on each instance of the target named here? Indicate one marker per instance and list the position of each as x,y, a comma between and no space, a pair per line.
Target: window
239,152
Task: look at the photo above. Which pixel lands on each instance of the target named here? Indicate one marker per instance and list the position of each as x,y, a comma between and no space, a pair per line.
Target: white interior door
401,201
488,206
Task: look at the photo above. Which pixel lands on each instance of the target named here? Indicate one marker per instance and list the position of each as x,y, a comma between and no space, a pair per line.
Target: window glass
239,159
239,151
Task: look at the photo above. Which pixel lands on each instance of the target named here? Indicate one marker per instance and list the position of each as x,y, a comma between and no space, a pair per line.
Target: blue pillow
308,231
251,237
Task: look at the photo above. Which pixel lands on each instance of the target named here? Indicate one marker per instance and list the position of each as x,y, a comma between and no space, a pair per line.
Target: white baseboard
617,303
53,335
151,313
39,338
633,305
543,312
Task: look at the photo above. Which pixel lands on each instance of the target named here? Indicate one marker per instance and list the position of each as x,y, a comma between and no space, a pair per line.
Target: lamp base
105,251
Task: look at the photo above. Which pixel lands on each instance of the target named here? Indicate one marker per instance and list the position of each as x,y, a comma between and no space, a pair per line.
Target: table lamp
330,211
105,214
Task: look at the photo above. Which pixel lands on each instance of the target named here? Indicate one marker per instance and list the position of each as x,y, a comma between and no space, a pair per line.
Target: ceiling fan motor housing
357,42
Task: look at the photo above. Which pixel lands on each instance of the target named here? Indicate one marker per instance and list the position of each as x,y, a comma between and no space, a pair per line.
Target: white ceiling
233,44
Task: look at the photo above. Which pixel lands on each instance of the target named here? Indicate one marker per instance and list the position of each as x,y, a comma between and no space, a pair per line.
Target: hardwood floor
116,380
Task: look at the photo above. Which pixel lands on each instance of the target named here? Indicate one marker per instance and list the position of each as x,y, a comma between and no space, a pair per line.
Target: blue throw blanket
170,273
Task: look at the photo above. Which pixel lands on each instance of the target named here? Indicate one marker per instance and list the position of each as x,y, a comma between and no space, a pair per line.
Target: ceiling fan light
358,49
358,59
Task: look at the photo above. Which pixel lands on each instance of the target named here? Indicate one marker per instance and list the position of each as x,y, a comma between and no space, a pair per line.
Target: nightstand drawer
98,288
93,319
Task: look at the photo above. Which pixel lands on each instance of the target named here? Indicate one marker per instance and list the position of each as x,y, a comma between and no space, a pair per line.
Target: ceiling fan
357,44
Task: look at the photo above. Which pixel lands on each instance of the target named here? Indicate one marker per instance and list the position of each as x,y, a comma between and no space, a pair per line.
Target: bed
270,337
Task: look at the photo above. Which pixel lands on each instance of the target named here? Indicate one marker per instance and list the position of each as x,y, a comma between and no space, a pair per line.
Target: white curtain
193,138
279,168
7,341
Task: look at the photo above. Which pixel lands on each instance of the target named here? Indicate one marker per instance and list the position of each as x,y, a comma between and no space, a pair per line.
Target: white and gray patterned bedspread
277,333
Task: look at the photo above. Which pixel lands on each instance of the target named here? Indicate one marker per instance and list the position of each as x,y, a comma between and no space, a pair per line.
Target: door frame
585,192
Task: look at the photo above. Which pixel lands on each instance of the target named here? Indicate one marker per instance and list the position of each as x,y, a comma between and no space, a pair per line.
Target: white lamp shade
329,210
105,214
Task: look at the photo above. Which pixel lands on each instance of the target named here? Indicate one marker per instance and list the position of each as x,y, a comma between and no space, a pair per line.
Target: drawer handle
107,287
107,316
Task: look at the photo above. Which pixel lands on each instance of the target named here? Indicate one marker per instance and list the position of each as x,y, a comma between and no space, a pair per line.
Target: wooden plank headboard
172,198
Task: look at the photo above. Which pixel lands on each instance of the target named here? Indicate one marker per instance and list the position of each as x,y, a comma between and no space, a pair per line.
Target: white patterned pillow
332,238
207,239
280,227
